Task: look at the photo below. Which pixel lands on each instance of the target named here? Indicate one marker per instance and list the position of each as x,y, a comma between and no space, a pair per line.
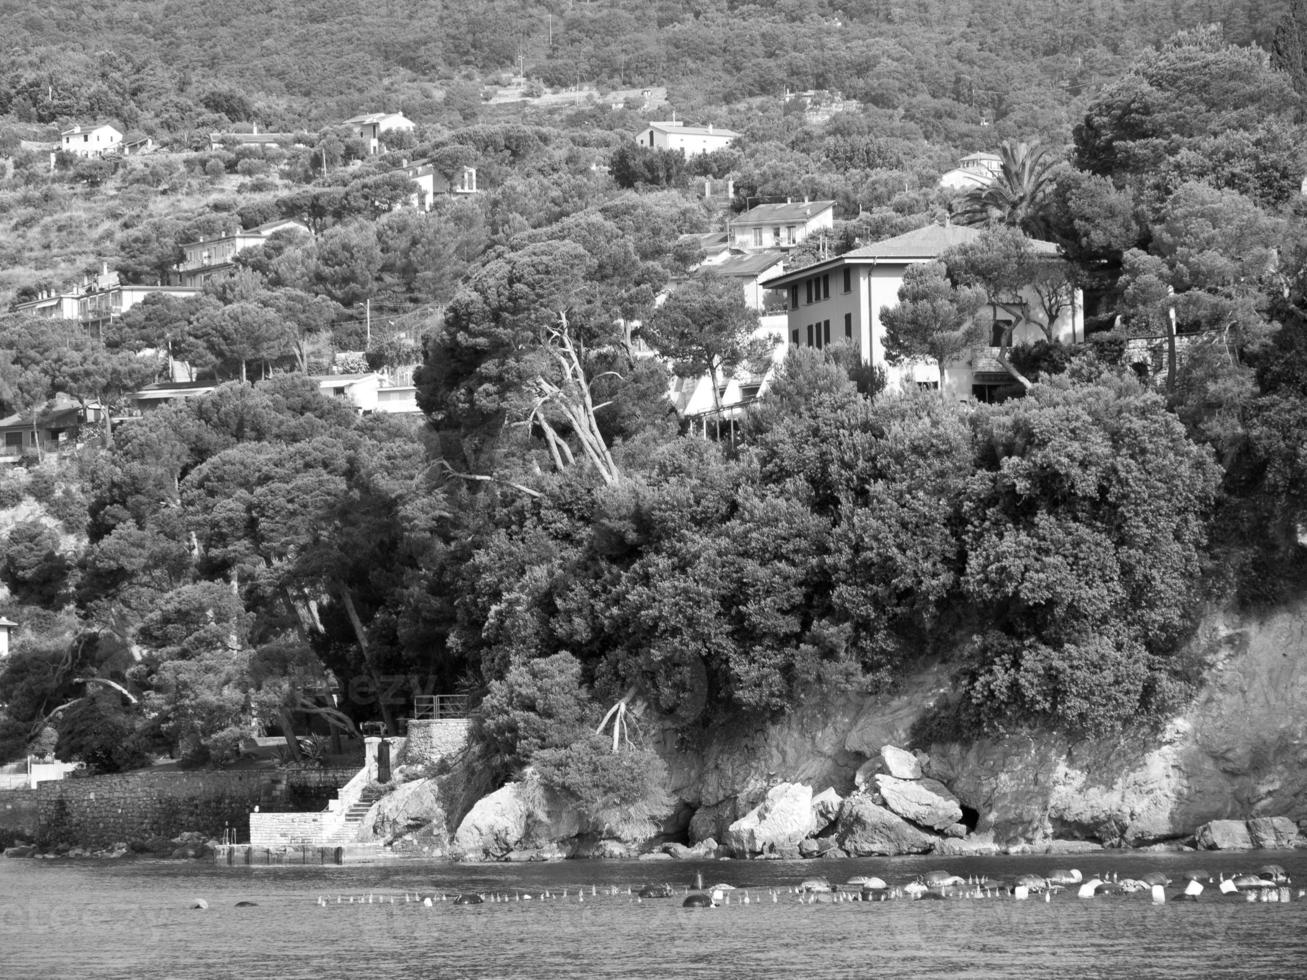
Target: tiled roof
747,266
669,127
91,128
920,245
767,214
930,242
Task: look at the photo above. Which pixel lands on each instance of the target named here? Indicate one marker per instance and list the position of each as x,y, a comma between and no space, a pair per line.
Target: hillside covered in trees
546,538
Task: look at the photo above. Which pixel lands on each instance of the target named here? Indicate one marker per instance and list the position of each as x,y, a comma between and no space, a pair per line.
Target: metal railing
437,706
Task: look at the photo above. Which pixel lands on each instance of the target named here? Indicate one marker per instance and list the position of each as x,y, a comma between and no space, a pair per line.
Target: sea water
134,919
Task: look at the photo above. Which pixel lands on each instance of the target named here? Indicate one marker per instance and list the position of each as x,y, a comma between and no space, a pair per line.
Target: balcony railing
439,706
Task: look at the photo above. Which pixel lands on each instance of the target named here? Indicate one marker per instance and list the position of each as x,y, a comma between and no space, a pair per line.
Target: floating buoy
1159,894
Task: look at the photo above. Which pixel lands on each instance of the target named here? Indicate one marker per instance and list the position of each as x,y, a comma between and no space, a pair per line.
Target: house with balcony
53,428
839,301
370,126
781,225
96,300
673,134
96,140
214,257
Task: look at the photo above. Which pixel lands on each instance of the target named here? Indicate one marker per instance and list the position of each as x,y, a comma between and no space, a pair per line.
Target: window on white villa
996,331
757,237
794,297
794,337
825,286
808,290
810,341
789,233
825,330
848,326
848,279
776,235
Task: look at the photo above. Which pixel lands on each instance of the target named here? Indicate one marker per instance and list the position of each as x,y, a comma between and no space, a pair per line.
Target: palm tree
1017,193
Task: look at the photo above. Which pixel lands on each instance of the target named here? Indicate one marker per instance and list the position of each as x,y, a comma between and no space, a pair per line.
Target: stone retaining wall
101,810
430,740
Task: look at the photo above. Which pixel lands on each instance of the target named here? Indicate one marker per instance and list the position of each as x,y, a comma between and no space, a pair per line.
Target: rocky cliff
828,780
1238,751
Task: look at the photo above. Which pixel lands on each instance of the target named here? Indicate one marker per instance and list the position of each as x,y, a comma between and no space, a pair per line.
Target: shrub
12,492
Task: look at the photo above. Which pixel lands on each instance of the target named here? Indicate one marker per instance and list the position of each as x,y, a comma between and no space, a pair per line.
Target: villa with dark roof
839,301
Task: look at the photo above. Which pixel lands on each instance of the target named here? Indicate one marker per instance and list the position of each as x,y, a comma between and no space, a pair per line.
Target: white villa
839,301
673,134
371,125
781,225
91,141
973,170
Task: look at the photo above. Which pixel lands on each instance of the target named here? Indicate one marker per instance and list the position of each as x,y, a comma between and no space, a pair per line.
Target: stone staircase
354,816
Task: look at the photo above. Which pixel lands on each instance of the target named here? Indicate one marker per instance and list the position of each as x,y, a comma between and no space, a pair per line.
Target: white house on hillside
781,225
371,125
691,140
973,170
91,141
427,184
839,301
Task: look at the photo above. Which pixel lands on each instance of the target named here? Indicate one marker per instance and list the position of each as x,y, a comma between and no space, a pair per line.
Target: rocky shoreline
896,807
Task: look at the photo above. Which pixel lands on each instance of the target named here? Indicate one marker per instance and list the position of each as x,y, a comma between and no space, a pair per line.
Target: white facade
839,301
973,170
781,225
690,140
371,126
91,141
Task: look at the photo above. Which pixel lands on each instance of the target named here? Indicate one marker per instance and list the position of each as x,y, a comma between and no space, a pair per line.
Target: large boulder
1275,833
866,829
900,763
926,802
1223,835
410,807
777,824
495,825
826,807
516,817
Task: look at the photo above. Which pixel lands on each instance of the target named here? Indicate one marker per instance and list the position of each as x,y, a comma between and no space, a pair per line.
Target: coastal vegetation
546,538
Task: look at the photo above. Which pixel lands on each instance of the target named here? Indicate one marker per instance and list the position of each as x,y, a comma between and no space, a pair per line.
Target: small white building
673,134
91,141
371,125
427,184
781,225
973,170
7,626
360,390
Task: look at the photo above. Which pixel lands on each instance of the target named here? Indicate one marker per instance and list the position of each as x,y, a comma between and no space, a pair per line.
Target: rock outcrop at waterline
1235,753
832,777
